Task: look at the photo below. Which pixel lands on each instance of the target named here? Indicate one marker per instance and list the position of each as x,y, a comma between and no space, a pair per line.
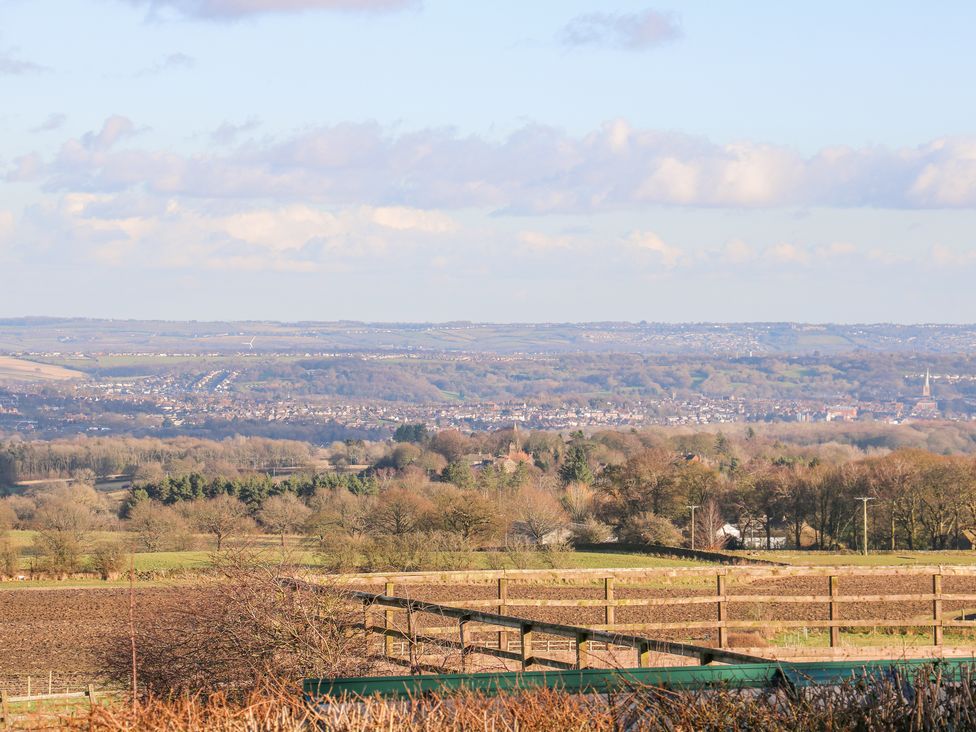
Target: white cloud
836,249
538,242
6,223
25,168
113,129
402,218
629,31
787,253
54,121
228,132
234,9
123,231
944,256
651,242
737,251
10,65
171,62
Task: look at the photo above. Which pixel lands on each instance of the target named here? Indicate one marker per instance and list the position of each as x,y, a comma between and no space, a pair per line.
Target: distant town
245,387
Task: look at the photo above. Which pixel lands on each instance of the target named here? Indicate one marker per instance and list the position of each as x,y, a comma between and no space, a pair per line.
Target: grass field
17,369
874,559
298,551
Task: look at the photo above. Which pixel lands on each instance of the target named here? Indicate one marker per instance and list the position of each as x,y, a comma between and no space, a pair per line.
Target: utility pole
864,507
693,526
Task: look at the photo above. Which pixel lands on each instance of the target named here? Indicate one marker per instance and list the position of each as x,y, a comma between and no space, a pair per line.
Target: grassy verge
874,559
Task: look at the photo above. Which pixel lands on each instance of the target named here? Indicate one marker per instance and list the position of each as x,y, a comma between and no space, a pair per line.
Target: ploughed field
61,630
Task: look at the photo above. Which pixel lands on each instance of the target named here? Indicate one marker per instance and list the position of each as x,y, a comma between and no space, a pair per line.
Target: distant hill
26,335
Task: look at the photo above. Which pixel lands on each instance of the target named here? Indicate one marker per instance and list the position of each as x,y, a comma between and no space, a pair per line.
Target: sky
435,160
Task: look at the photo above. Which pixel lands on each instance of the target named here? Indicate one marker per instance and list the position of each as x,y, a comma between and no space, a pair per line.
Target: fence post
366,625
388,624
91,696
4,709
937,609
834,613
581,649
609,615
411,640
50,682
461,623
502,610
526,636
643,655
723,632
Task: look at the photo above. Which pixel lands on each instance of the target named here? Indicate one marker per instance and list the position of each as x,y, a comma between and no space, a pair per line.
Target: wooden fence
7,718
831,597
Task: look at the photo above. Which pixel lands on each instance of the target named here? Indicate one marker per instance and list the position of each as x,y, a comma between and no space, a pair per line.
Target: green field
300,552
874,559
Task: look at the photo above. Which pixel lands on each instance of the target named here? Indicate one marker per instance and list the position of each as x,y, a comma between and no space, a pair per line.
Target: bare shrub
520,552
238,630
649,528
590,531
557,555
926,699
107,559
403,553
9,559
494,559
450,550
340,552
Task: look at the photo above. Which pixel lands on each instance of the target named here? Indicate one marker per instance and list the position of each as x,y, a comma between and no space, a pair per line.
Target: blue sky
431,160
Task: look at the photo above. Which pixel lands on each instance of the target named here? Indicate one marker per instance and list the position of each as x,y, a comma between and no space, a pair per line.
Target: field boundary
660,550
720,599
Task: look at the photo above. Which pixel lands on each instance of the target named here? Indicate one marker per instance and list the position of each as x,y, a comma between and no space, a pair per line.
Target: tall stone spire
927,389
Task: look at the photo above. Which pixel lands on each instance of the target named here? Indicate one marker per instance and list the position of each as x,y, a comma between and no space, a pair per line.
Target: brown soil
61,630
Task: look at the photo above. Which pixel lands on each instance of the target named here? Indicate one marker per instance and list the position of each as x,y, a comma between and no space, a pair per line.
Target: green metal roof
737,676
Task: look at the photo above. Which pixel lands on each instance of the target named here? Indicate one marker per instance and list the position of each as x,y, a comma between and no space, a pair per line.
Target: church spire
927,389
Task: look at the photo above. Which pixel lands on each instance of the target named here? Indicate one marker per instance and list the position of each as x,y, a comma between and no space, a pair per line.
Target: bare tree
221,516
156,526
539,513
63,529
283,514
708,526
577,498
399,511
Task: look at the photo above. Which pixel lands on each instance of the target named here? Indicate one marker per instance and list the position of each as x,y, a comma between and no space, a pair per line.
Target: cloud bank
535,170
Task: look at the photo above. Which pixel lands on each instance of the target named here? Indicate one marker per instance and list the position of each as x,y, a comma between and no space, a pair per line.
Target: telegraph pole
693,526
864,507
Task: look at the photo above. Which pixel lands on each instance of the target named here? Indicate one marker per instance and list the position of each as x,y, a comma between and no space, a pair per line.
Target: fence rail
465,617
721,598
